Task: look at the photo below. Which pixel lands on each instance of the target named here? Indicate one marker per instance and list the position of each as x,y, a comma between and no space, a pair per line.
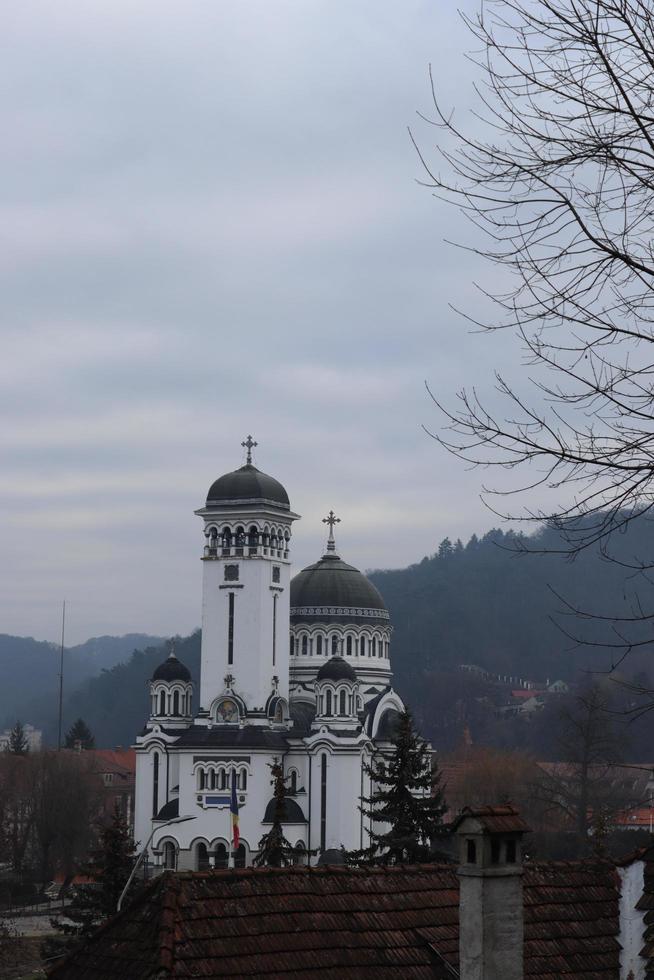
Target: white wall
632,922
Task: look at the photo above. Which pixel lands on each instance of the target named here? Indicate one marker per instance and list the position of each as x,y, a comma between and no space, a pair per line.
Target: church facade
293,669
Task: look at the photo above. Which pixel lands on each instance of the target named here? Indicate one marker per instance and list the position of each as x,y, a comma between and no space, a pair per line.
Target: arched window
170,856
328,708
305,645
155,784
348,646
162,702
175,702
212,779
227,541
244,779
292,646
201,857
293,787
334,645
319,646
202,779
341,703
223,778
362,646
300,856
221,856
374,646
253,539
240,857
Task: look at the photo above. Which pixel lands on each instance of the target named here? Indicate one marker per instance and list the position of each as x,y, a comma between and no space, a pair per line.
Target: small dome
336,669
172,669
247,486
291,811
331,590
331,856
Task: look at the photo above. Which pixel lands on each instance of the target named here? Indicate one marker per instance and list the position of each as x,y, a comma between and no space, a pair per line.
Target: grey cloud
209,225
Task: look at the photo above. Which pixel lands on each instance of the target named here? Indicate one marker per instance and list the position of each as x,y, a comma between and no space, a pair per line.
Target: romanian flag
233,807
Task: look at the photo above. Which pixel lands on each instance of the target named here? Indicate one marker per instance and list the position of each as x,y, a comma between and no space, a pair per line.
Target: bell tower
246,594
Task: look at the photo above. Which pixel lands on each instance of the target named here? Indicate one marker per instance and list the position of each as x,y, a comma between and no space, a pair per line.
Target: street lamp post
145,851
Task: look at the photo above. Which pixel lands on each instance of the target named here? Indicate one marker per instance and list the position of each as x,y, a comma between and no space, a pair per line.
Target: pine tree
80,732
274,849
108,869
18,743
406,805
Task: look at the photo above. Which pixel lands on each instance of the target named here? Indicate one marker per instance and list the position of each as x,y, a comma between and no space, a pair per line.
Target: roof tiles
342,922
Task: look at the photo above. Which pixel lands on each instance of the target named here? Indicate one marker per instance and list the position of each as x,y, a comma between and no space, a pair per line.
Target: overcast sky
211,226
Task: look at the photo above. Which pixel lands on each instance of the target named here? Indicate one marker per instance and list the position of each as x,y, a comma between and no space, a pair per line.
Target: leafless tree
581,787
557,177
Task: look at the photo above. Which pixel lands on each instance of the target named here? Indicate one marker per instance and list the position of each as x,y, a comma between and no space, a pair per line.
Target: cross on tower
331,519
249,444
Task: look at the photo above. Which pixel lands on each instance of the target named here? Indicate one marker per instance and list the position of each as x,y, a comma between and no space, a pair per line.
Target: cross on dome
331,519
171,655
249,444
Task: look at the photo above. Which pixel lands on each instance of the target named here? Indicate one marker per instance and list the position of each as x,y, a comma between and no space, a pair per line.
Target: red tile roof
114,760
344,923
495,819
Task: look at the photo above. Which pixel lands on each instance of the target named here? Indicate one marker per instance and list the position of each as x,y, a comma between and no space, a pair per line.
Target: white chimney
491,923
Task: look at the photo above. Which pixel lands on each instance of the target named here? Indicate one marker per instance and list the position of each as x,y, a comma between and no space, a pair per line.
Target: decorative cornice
345,611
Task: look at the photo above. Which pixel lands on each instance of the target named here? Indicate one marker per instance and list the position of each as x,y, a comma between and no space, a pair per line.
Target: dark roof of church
336,669
302,714
330,590
347,923
247,486
231,736
169,810
171,669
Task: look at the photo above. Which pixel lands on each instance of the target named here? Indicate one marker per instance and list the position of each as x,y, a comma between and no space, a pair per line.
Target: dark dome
332,590
171,669
291,811
247,485
336,669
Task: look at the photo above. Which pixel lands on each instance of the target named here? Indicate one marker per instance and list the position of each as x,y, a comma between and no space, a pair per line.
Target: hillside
484,603
30,671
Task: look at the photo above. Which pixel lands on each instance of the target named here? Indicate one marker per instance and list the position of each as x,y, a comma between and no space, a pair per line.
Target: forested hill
484,603
30,671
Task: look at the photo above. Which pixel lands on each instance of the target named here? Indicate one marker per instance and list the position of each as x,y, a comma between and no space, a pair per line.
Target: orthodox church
295,670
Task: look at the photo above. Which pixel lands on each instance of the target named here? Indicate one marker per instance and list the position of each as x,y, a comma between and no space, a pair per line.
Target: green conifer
406,806
274,849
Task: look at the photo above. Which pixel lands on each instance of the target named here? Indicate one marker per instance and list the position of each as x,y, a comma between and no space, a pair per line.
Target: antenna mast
61,674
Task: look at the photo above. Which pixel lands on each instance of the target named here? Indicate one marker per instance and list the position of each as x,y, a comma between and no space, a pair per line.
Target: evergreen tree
274,849
80,732
18,743
406,805
108,869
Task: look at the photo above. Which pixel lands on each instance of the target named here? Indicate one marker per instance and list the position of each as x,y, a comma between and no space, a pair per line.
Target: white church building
295,669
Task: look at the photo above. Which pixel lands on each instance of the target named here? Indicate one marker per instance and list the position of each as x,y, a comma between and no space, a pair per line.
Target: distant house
117,770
